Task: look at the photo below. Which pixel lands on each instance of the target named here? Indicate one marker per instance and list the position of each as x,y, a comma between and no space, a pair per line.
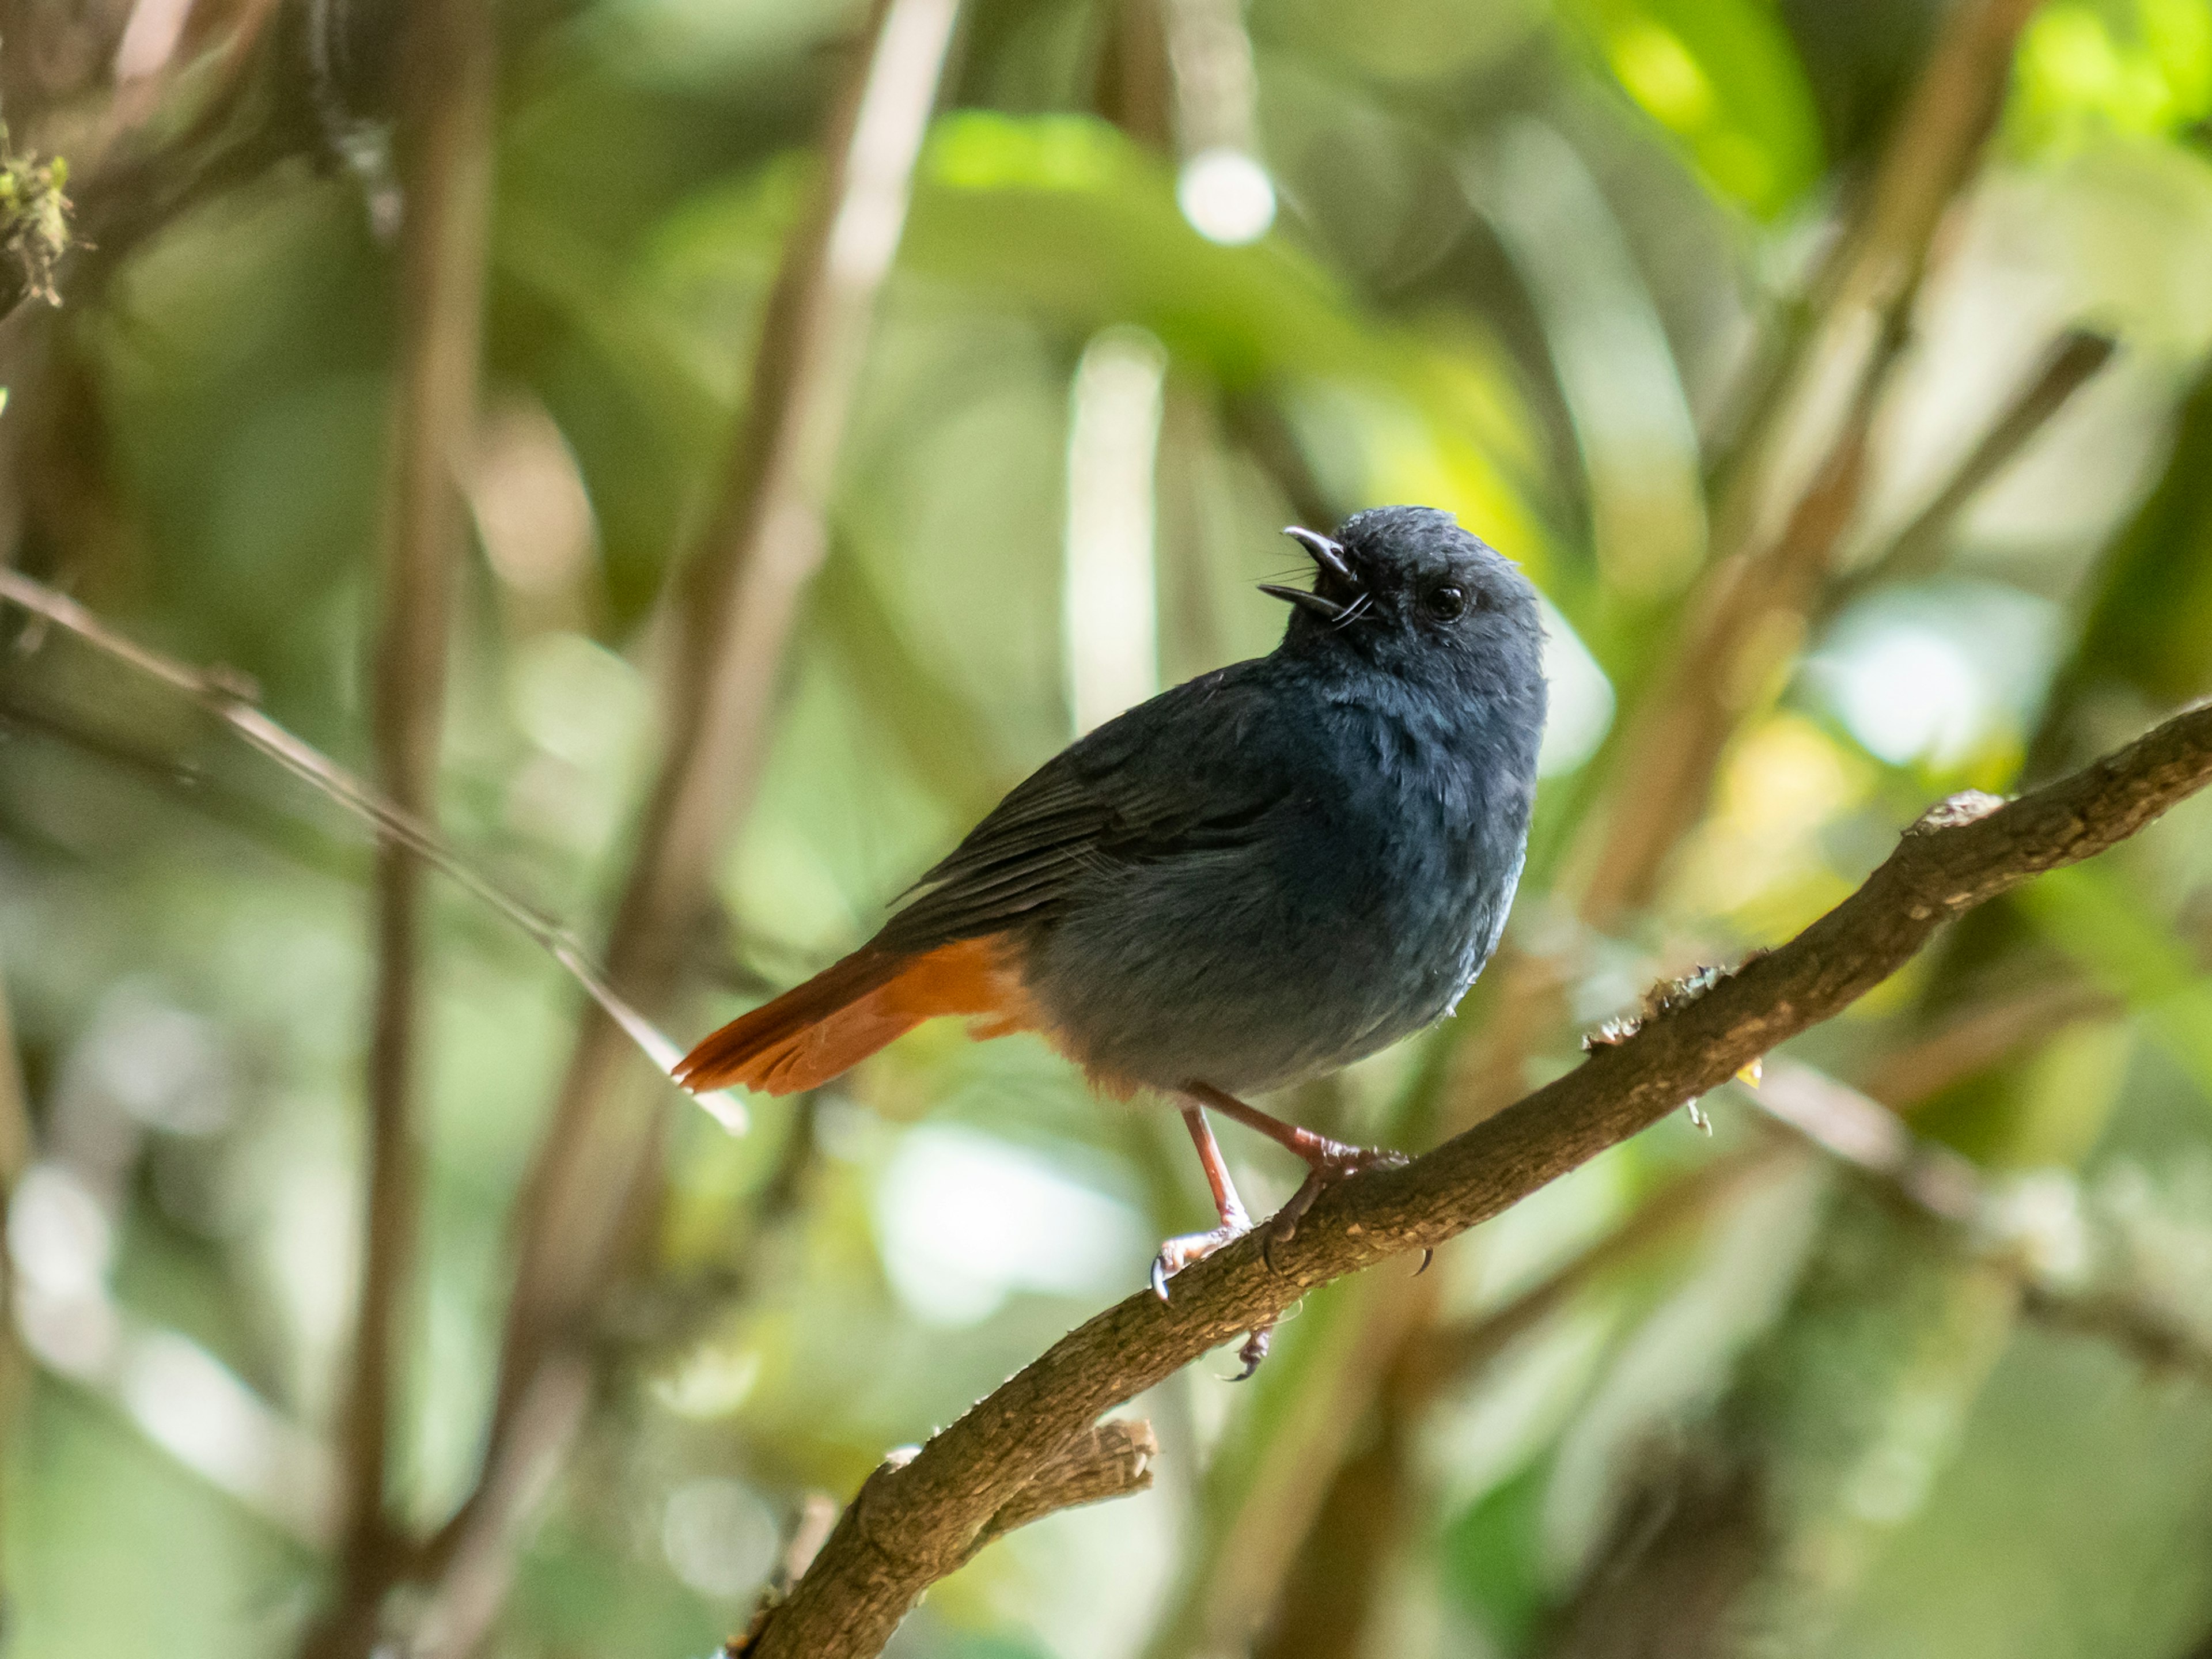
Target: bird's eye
1445,601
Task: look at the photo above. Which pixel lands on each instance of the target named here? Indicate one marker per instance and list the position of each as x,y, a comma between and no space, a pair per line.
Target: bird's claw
1180,1252
1254,1350
1334,1163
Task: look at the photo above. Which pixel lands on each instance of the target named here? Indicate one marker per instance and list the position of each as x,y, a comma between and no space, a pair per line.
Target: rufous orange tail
836,1020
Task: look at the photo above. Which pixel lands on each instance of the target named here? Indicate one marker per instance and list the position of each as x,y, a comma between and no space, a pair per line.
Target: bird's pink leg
1179,1253
1328,1162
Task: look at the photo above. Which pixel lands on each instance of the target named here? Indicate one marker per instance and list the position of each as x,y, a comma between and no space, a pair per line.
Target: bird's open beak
1329,556
1327,609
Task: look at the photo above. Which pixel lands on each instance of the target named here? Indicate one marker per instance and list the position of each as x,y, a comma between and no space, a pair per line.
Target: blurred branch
480,1567
1743,625
1951,1190
2071,364
1862,1133
817,1515
449,59
16,1139
1964,1048
1452,1351
732,608
1977,1037
917,1522
1934,150
228,695
2156,1337
471,1560
1320,1601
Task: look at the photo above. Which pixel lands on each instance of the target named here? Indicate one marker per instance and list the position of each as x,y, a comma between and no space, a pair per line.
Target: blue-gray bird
1260,876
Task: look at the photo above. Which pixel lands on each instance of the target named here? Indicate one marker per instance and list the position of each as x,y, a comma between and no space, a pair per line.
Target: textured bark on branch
919,1522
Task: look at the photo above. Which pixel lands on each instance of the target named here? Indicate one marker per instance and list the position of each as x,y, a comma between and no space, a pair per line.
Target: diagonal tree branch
914,1524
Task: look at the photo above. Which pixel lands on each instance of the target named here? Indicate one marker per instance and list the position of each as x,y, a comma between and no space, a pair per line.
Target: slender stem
735,604
2071,364
448,65
229,697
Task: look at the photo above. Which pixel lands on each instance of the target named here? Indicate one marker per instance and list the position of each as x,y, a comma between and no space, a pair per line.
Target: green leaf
1724,77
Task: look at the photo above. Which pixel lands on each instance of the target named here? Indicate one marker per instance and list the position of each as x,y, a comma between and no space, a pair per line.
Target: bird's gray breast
1357,913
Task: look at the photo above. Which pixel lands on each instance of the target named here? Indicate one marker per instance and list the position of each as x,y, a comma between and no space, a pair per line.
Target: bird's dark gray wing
1137,790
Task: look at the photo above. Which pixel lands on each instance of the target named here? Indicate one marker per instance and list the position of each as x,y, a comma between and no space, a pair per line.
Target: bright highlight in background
1110,616
965,1219
1227,196
1912,693
1581,698
1934,674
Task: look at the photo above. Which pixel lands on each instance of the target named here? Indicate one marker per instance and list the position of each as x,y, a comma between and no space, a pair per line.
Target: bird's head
1406,589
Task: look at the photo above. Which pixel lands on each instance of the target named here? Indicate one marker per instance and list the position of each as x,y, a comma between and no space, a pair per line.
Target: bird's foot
1181,1251
1328,1162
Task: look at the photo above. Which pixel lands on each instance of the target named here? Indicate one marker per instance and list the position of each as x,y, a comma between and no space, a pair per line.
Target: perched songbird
1257,878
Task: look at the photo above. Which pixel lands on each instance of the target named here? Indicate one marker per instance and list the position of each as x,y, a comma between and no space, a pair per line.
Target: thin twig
2070,364
474,1586
1950,1191
229,697
1107,1459
919,1522
448,58
733,609
817,1515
